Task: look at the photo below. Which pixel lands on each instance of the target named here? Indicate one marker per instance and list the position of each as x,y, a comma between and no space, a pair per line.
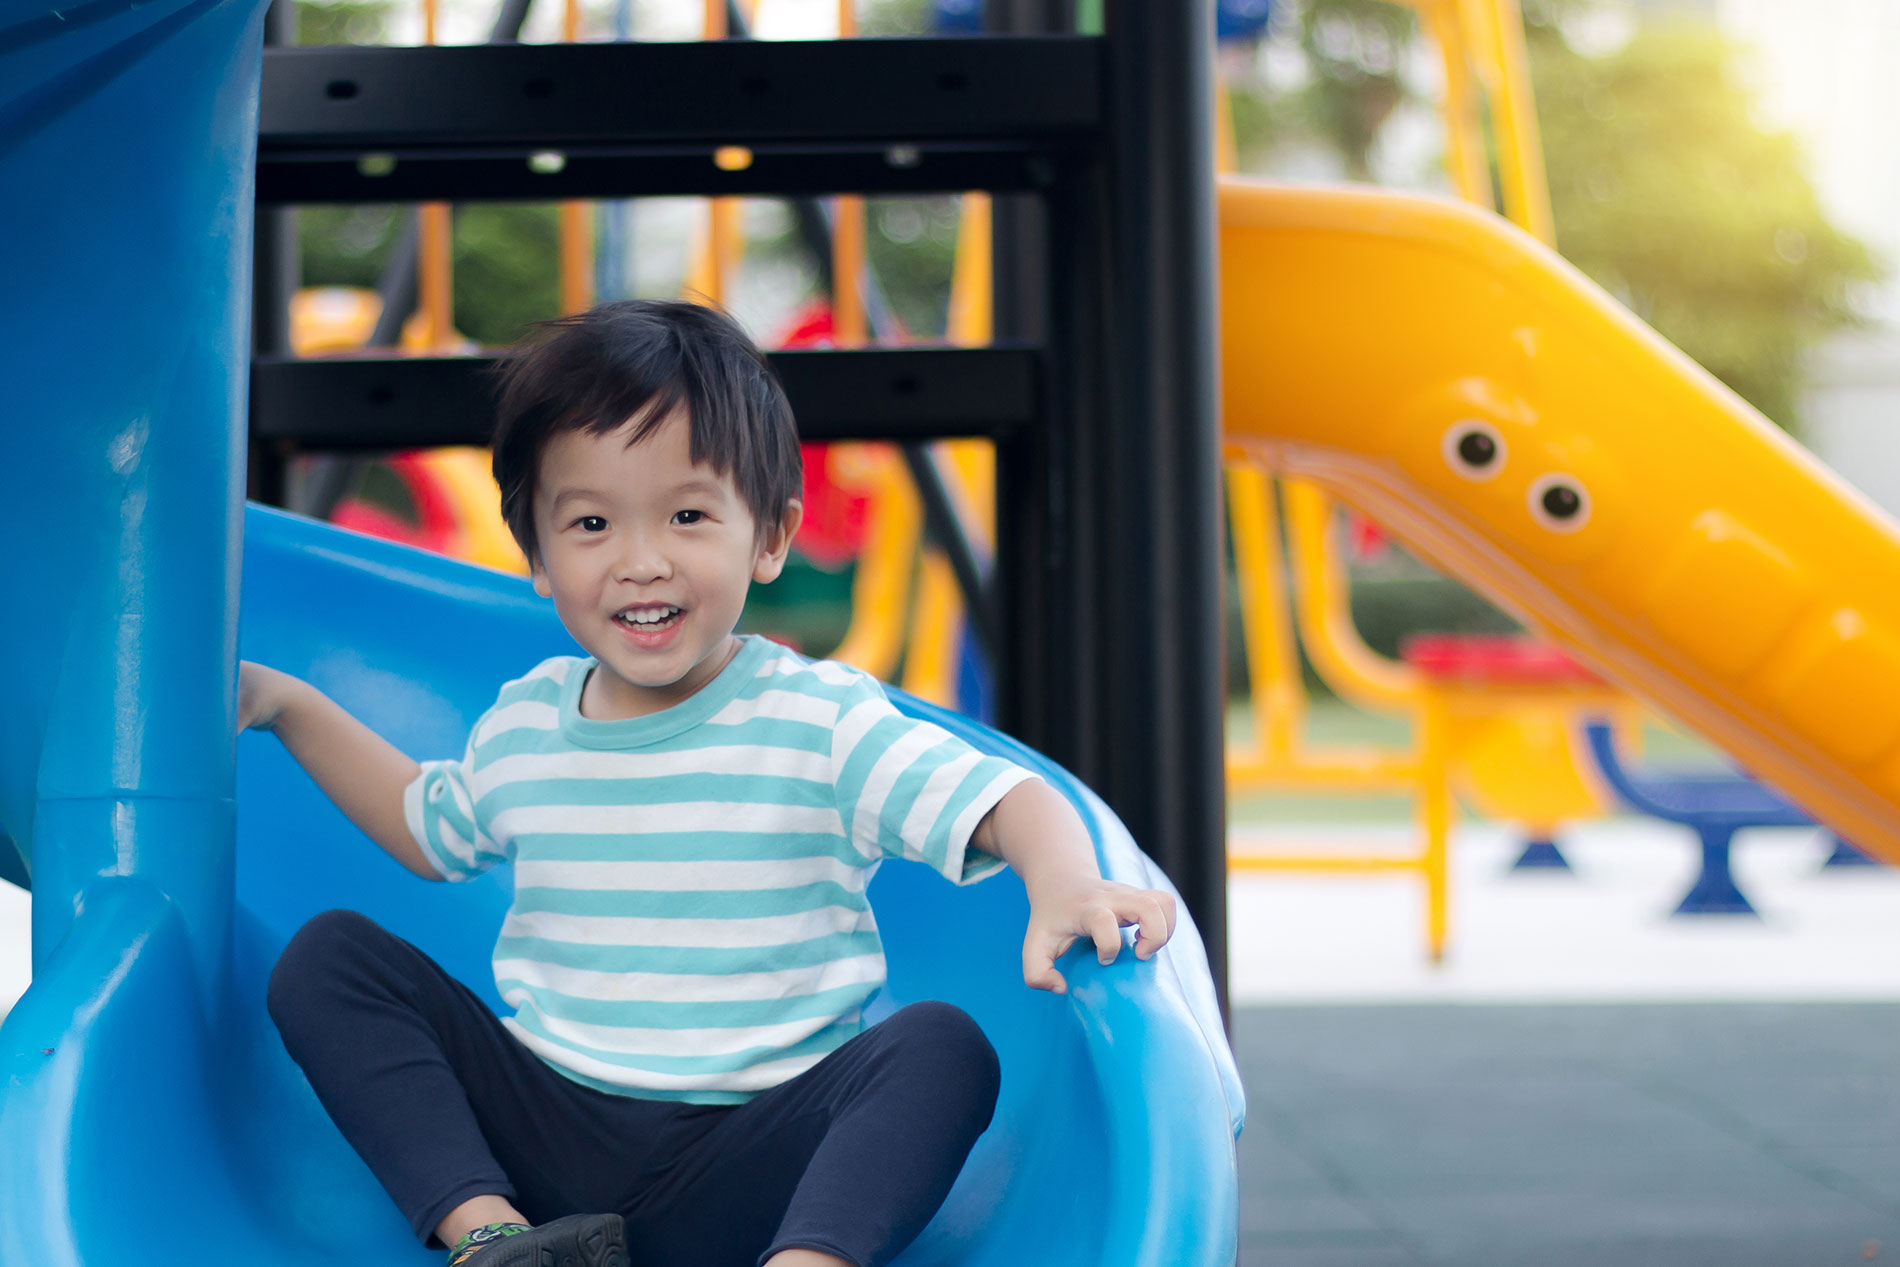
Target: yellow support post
1273,665
715,254
881,589
972,283
1494,29
1323,604
930,663
1465,159
434,322
1435,815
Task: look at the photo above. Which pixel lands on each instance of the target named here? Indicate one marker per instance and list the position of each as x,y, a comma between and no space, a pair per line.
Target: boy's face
647,557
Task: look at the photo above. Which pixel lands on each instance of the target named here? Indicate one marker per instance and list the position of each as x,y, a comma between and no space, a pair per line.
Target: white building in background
1826,71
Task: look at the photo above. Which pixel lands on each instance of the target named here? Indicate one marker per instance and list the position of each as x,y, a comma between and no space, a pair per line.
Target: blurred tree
343,21
1354,49
506,260
1668,191
896,17
346,246
1352,53
507,269
911,247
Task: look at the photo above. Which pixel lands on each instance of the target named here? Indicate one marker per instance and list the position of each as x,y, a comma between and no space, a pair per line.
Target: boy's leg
442,1102
851,1158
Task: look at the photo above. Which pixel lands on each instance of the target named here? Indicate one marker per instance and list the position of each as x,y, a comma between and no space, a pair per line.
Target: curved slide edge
1169,1083
1707,562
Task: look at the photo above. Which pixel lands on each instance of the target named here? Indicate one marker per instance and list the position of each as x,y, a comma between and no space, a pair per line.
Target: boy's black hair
641,359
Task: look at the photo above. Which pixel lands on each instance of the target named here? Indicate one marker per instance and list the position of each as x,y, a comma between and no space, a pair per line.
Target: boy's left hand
1097,909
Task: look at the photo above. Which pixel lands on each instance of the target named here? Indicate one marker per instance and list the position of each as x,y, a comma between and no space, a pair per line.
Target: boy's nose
643,561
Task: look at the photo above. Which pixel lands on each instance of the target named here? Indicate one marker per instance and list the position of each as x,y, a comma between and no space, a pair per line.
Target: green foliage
896,17
1354,49
343,21
507,269
506,260
910,244
346,246
1670,195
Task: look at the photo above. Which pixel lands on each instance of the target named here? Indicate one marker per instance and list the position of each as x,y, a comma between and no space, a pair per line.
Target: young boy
693,818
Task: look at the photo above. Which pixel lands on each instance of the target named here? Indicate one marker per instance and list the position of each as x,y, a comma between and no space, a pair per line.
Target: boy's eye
689,516
591,523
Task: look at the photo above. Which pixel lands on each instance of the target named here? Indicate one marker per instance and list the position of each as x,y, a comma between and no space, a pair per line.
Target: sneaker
579,1240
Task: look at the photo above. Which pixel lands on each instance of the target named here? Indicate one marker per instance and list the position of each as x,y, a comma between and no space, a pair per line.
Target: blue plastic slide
150,1114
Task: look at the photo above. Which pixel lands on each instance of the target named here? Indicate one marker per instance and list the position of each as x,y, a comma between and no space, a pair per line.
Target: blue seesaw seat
1113,1141
1714,806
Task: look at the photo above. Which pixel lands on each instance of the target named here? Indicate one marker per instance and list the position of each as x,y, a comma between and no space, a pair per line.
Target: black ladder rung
401,402
371,98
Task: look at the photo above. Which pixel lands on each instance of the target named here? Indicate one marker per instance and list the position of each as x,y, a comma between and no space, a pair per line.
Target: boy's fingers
1105,929
1039,963
1157,925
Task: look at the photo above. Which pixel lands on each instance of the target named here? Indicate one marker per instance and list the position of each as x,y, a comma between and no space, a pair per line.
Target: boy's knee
953,1037
321,943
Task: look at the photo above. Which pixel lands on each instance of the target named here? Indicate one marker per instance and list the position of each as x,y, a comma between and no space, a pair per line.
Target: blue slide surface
147,1110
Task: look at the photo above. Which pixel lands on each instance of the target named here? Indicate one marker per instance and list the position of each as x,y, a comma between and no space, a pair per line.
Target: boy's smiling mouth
648,618
647,613
650,626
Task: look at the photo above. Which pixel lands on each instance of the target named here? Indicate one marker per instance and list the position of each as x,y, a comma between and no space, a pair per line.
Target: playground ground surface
1585,1080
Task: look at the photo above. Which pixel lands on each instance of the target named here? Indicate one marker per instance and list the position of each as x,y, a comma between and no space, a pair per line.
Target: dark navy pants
851,1157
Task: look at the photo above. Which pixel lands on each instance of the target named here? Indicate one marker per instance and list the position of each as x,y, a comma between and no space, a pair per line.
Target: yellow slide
1454,379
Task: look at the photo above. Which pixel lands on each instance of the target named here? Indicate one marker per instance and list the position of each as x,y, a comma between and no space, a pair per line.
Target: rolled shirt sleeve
910,789
440,811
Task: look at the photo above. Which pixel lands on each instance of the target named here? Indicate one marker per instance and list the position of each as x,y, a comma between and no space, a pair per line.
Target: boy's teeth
650,616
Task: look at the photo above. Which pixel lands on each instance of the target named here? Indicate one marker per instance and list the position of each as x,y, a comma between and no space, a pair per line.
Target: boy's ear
778,544
540,576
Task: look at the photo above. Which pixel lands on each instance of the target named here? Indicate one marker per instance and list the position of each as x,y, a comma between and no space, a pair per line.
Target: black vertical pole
1160,523
1034,702
1051,497
276,272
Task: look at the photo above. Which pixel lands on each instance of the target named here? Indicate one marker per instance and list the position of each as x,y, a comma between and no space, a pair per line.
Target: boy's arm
363,773
1038,833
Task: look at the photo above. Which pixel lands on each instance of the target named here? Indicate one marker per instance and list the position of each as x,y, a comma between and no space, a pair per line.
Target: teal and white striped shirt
689,918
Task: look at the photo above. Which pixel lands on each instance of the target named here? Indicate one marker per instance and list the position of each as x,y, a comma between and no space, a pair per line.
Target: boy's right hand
262,692
363,773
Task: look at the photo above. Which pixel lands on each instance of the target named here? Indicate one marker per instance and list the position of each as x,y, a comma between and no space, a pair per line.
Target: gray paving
1646,1135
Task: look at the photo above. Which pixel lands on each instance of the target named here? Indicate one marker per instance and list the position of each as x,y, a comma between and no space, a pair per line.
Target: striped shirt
689,918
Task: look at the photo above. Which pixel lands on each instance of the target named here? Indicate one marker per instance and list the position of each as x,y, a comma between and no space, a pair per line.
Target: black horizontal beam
870,115
421,402
601,172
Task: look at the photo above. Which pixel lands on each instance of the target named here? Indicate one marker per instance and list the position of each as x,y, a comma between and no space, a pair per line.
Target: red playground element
811,327
435,526
1369,542
833,531
1493,660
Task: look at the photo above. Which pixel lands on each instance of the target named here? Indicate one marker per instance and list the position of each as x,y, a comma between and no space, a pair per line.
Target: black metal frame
1107,580
406,402
542,122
